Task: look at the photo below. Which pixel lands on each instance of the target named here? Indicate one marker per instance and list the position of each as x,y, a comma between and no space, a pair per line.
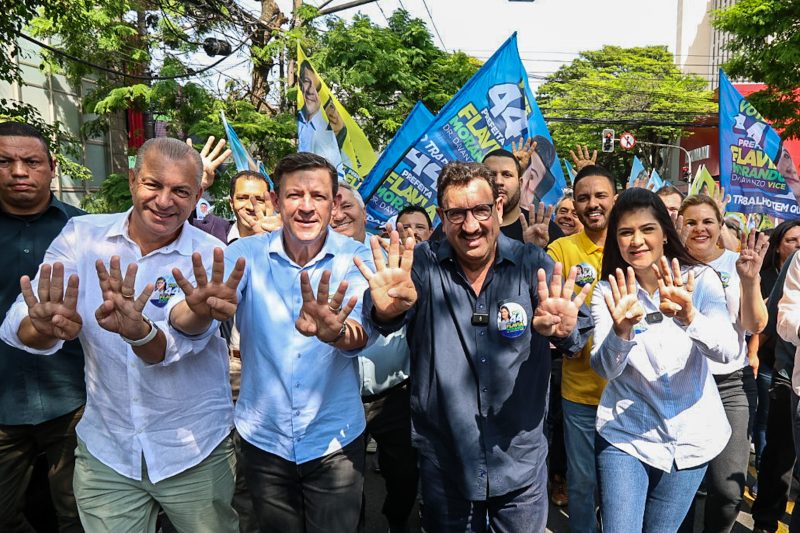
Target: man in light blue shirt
299,410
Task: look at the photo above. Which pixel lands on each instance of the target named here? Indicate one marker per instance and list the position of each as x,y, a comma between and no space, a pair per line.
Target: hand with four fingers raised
52,311
324,316
214,299
390,286
751,256
121,310
557,312
265,219
623,303
536,230
212,156
675,295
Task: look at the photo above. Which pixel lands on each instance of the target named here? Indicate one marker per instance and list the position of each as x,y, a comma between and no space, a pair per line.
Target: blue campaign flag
494,108
241,157
637,170
748,149
415,124
570,171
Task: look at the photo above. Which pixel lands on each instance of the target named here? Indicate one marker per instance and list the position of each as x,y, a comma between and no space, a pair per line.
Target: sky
550,32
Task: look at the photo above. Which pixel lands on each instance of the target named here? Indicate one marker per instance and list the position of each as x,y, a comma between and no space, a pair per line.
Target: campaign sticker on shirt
586,274
512,320
165,288
726,278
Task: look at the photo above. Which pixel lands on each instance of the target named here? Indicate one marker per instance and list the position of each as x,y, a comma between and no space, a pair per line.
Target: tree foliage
765,42
379,73
640,86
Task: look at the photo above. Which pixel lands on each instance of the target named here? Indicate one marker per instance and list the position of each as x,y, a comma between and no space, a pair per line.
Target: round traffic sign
627,141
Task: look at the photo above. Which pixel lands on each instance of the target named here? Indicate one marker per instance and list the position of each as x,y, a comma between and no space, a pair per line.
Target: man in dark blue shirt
480,317
41,397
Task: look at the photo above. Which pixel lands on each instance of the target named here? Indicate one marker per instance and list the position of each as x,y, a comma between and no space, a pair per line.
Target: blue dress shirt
479,392
299,397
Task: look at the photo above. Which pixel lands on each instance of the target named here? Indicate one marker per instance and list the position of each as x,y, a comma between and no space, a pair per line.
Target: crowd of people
616,353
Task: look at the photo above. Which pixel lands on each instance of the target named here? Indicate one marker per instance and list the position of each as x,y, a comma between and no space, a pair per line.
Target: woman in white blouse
739,272
657,323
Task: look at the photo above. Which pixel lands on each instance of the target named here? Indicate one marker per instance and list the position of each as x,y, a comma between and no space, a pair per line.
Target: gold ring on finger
334,309
127,296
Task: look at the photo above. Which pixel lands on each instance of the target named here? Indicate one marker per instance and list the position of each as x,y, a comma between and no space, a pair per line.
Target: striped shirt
661,404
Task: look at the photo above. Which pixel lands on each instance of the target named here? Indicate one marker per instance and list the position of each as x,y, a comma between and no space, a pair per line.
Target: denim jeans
579,439
445,510
636,497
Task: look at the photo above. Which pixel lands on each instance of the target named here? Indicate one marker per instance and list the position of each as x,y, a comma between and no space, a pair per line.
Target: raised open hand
265,219
751,257
391,287
681,228
213,157
557,312
582,159
54,312
641,183
121,310
215,299
536,230
623,303
524,151
323,317
719,196
676,297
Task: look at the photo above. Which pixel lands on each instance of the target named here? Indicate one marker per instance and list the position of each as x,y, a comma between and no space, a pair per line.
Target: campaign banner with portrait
412,128
639,172
755,168
325,128
494,108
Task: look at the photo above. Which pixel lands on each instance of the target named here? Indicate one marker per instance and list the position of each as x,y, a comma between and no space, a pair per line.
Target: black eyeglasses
458,215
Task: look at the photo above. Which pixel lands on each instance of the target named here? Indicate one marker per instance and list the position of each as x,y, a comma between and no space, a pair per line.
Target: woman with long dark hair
659,317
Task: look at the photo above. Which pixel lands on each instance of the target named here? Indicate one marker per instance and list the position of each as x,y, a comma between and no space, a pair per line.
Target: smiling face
308,84
567,217
25,175
348,217
305,203
473,241
786,168
507,179
594,198
640,239
704,230
164,193
246,191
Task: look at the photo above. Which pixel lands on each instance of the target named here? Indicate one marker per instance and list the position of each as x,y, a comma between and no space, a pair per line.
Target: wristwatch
147,338
342,333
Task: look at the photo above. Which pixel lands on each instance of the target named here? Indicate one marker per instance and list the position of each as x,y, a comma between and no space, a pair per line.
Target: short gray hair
173,149
356,194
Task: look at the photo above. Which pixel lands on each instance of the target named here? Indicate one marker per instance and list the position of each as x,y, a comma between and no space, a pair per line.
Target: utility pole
290,77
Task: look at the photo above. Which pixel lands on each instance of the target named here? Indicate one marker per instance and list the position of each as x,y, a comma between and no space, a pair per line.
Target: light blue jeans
579,436
636,497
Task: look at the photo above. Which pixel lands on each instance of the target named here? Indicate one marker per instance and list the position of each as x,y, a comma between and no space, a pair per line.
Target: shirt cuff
10,326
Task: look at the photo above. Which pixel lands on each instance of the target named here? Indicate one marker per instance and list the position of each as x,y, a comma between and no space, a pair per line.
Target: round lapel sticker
512,320
165,288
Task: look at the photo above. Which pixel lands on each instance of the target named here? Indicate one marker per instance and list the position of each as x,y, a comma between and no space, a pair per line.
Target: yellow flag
325,128
702,178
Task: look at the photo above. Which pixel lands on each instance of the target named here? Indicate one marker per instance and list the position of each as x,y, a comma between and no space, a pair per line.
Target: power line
382,12
631,122
612,110
125,74
430,16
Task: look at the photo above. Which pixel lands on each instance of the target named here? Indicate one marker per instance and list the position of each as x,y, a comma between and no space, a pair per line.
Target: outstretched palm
557,312
216,298
53,311
391,287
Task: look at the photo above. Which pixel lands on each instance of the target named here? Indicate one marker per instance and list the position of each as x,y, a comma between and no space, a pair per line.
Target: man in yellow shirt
581,387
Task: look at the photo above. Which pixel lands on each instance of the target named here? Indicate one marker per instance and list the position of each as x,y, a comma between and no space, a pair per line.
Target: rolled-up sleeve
179,344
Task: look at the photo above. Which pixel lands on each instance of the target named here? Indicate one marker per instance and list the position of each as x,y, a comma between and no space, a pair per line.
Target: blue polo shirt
479,392
299,398
35,388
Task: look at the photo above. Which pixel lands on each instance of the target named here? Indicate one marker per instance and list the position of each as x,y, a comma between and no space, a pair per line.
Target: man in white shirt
158,418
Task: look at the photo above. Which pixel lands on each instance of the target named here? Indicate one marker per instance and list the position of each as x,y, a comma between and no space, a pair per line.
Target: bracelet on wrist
340,336
147,338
